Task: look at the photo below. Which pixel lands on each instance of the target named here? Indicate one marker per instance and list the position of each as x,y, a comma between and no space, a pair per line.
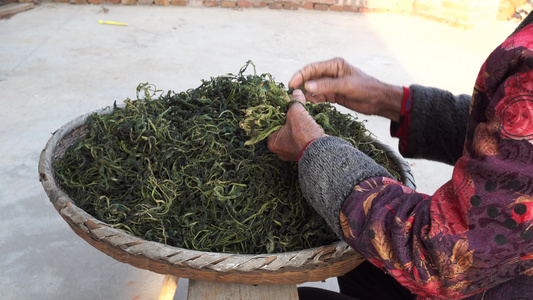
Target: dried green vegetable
177,168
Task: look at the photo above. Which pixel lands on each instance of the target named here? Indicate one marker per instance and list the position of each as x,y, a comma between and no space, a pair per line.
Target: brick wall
463,14
509,8
459,13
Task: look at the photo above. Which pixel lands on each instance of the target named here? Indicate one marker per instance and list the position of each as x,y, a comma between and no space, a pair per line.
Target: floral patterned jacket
471,239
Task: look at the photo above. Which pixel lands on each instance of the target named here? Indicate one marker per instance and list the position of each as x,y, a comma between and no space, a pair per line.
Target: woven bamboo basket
297,267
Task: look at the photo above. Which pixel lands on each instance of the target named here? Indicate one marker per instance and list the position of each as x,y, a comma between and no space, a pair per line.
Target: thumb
296,110
298,95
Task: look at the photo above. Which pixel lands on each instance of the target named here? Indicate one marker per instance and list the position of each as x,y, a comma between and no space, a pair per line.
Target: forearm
389,100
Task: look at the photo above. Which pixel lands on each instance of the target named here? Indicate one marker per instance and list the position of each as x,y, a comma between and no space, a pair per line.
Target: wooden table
214,290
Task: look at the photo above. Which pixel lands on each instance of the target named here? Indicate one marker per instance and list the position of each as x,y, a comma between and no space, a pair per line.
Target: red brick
322,7
330,2
349,8
275,5
448,21
95,1
179,2
429,16
463,26
403,9
210,3
244,4
405,5
380,10
485,2
339,8
259,4
421,6
477,7
62,1
505,12
162,2
457,5
128,2
290,6
364,10
112,1
308,5
457,16
228,4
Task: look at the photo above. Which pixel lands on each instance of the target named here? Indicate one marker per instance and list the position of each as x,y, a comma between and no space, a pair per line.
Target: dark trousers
366,282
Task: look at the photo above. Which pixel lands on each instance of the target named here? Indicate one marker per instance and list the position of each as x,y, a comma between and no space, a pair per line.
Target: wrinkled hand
337,81
299,129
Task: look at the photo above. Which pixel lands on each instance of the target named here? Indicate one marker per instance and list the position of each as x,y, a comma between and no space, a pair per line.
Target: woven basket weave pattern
297,267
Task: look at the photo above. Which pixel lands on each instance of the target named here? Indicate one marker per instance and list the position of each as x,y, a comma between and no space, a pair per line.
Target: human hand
299,129
337,81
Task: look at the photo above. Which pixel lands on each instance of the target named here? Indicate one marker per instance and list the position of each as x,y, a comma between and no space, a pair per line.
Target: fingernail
310,86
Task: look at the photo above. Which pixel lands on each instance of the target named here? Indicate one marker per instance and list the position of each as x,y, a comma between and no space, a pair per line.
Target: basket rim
313,264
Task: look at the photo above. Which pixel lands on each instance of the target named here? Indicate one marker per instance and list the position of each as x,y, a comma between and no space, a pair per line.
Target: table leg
170,283
211,290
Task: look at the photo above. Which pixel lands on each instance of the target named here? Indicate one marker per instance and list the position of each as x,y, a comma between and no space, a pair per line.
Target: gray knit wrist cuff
329,169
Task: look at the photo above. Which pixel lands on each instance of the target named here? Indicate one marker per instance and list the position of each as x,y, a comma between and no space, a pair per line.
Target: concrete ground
57,62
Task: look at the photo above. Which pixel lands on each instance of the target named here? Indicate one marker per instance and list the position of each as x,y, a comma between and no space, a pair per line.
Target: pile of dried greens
177,168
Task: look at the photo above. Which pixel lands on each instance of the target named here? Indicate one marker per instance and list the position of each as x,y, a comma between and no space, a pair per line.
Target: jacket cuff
401,129
329,168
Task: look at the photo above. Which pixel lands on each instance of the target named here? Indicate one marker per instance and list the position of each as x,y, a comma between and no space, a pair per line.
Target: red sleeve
401,129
